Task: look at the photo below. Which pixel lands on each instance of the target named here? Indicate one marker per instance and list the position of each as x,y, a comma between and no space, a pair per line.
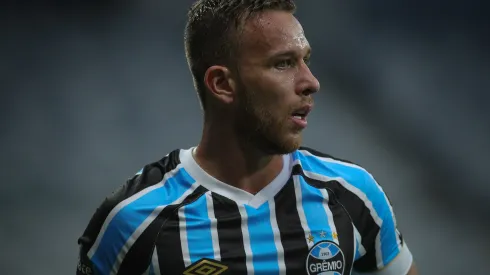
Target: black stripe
167,242
292,233
363,221
342,219
139,255
151,175
168,247
137,259
230,234
345,230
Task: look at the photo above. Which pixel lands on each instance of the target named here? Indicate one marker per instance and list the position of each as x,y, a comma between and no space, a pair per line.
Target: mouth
299,115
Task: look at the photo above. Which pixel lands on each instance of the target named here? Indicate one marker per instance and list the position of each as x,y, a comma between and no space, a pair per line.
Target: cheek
272,89
279,89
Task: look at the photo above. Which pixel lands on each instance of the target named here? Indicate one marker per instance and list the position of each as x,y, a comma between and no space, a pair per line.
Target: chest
298,232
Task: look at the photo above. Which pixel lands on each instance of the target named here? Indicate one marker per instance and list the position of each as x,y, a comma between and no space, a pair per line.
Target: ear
219,81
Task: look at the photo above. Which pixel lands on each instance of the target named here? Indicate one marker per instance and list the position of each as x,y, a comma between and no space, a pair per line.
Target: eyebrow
290,53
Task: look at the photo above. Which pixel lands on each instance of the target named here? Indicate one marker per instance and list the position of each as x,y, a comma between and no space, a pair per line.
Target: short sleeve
105,238
88,242
85,266
378,241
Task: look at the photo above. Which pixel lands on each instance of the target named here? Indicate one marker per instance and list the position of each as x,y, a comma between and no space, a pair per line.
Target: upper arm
413,270
104,243
380,246
402,264
91,237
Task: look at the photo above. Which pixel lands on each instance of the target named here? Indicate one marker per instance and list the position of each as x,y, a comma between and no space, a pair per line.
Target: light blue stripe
295,155
358,253
132,215
360,179
264,252
198,227
152,267
316,216
152,271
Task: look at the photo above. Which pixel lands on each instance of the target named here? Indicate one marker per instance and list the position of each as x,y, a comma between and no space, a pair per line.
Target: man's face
275,84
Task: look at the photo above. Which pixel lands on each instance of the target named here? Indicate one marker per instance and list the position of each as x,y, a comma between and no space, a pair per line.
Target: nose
308,83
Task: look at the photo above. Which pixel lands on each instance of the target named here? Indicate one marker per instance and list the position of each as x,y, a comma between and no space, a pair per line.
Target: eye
307,60
284,64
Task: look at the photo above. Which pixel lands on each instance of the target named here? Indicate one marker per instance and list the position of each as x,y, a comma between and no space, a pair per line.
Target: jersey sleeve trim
399,265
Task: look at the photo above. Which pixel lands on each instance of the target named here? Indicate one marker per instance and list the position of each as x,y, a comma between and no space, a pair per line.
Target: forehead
272,31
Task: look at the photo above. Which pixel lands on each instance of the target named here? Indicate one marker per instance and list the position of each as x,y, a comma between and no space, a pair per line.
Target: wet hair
212,33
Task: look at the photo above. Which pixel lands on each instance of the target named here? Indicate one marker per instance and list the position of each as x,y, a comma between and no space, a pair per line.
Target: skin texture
248,124
274,81
413,270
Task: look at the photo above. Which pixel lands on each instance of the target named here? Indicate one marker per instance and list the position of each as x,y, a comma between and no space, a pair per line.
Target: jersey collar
236,194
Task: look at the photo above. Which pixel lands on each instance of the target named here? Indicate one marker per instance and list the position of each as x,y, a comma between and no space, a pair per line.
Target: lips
299,115
302,113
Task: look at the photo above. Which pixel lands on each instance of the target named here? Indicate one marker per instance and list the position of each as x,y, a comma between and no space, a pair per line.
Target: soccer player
247,199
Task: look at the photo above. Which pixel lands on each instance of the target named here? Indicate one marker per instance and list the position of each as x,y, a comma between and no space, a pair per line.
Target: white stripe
277,238
214,226
148,270
183,237
295,162
246,239
331,223
352,189
301,211
330,160
124,203
137,233
379,255
398,240
155,263
401,264
362,250
363,197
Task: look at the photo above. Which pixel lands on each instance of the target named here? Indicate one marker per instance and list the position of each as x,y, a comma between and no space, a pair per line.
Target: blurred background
93,90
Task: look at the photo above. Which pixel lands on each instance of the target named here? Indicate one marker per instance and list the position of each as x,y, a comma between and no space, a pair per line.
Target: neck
233,160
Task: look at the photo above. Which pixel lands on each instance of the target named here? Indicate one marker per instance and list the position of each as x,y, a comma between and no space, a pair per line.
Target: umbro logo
205,267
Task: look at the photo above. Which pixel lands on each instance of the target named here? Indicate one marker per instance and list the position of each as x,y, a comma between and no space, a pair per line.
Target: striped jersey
320,215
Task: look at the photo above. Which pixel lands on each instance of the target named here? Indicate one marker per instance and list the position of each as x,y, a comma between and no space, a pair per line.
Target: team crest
325,258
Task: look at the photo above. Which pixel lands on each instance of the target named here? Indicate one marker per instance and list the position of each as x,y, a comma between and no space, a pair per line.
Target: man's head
249,61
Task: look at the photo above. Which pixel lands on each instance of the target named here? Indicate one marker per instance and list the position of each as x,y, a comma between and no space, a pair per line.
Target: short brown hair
209,33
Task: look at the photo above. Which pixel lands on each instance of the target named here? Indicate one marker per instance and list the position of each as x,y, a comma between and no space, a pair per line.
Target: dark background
93,90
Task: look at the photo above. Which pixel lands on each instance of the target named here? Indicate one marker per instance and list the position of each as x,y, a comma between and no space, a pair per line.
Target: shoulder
346,177
327,167
121,213
378,240
148,176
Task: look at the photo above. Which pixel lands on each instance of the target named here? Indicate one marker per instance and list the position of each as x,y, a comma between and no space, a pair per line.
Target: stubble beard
260,127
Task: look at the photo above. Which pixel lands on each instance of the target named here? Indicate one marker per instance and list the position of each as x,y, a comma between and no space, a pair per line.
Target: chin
277,139
282,146
291,146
